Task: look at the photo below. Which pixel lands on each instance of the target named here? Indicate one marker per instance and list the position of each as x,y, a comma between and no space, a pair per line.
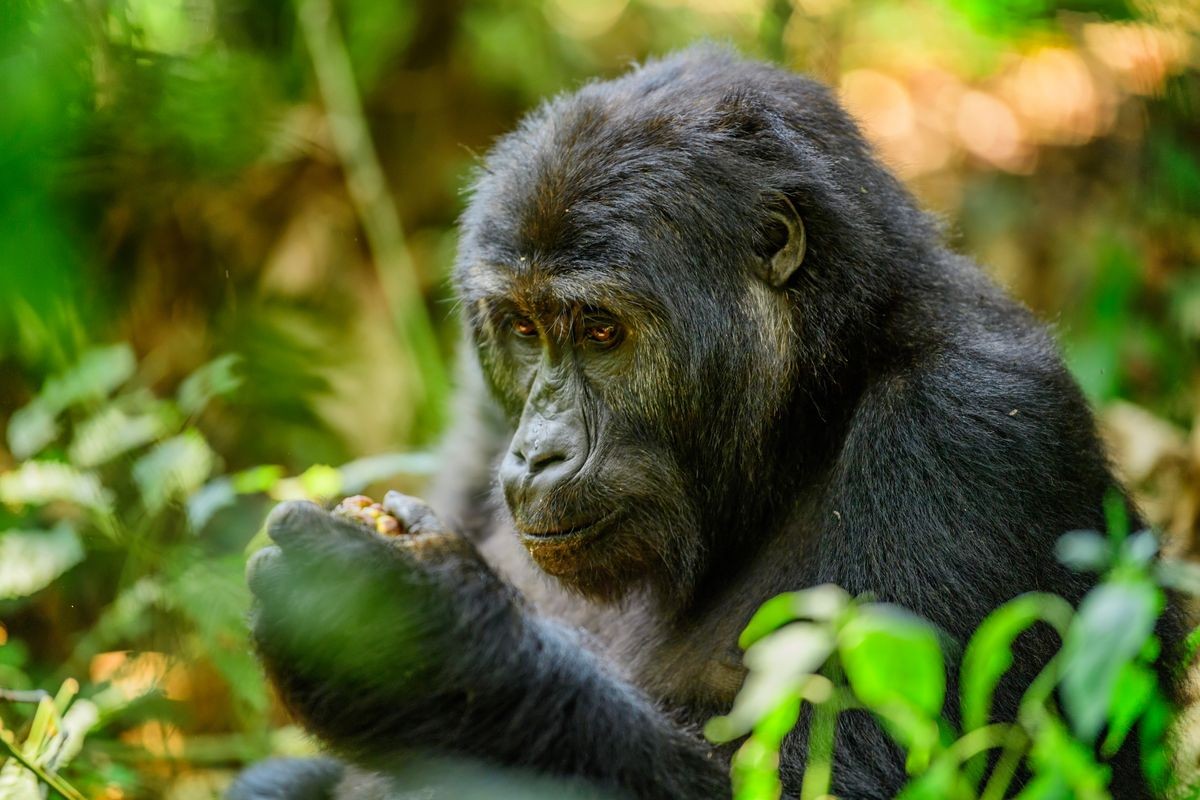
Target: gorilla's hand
374,640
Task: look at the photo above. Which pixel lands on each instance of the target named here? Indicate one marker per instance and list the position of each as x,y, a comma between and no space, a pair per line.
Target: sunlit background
225,231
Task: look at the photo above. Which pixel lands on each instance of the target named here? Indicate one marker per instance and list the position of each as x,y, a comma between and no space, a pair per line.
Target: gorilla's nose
539,460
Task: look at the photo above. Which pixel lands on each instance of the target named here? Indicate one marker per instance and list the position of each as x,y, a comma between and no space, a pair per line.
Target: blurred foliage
826,653
227,226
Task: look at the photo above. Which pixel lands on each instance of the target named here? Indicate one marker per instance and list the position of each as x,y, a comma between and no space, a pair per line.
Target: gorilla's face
626,320
590,476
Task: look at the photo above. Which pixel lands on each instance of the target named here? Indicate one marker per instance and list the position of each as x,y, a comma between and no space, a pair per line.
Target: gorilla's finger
264,570
293,520
414,515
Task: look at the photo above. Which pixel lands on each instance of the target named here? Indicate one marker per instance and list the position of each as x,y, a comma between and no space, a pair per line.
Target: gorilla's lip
567,533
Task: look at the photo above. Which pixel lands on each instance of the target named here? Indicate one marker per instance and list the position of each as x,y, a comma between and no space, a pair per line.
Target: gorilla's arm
955,478
462,490
413,643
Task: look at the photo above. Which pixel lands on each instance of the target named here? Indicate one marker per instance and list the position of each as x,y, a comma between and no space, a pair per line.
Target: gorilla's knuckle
262,566
294,516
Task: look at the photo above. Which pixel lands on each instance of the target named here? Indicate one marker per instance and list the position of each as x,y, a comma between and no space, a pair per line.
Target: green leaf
321,481
1152,742
893,659
30,429
821,603
1046,787
779,665
32,560
1136,686
1109,631
1058,754
1140,549
173,470
93,377
256,479
214,379
939,782
1084,551
37,483
989,654
1179,575
112,432
206,501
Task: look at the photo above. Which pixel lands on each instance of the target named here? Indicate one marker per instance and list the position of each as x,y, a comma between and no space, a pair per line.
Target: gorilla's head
660,274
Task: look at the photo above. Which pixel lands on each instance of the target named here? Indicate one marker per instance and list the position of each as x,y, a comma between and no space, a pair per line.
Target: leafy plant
831,652
116,479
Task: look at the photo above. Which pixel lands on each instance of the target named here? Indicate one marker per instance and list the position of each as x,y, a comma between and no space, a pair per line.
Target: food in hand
367,512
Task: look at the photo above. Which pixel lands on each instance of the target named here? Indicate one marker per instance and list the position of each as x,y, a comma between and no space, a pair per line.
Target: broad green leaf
1084,551
168,26
1140,548
893,657
94,377
173,470
1135,687
770,616
820,603
1109,630
321,481
74,726
1056,753
1046,787
256,479
206,501
1152,742
216,378
110,433
30,429
989,654
940,782
32,560
1179,575
779,665
36,483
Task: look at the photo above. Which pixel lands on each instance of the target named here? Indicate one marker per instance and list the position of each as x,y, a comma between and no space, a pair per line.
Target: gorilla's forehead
533,286
596,181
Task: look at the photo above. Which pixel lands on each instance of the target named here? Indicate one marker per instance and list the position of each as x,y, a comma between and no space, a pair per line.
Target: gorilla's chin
562,547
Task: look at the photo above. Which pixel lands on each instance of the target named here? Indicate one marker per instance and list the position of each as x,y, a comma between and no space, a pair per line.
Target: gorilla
718,353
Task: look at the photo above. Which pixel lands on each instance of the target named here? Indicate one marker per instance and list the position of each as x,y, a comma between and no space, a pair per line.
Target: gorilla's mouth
569,533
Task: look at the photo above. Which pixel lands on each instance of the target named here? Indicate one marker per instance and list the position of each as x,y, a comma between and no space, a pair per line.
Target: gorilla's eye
523,326
605,333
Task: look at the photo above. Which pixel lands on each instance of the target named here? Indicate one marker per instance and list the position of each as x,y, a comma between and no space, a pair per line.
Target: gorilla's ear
781,242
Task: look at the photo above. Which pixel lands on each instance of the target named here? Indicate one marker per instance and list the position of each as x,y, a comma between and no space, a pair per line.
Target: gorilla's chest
695,668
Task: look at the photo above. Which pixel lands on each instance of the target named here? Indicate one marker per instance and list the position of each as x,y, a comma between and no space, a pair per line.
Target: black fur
886,419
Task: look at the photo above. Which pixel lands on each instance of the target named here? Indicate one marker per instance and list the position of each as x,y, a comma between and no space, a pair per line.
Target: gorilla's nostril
540,461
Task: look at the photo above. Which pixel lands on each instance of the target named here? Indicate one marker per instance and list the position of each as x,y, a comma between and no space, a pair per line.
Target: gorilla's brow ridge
501,285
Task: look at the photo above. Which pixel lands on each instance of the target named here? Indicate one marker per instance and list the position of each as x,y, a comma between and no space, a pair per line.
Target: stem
979,741
1006,767
822,729
53,781
373,203
818,770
